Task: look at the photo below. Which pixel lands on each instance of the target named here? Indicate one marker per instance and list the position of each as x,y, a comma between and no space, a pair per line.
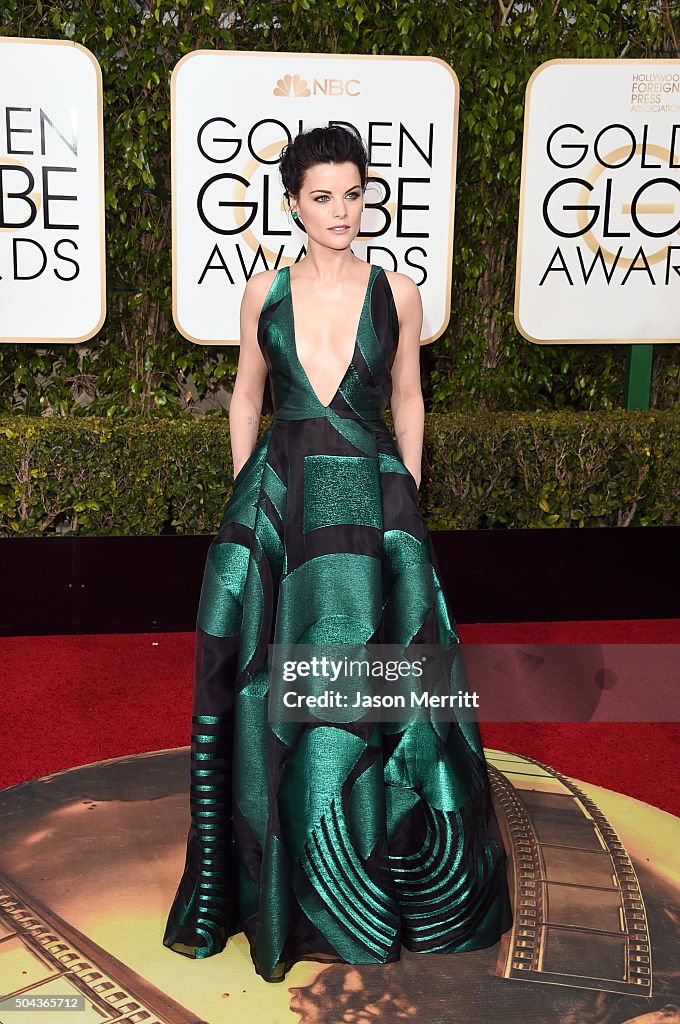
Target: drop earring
297,220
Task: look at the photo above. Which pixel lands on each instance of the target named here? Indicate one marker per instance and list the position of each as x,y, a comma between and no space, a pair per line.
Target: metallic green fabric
342,840
341,490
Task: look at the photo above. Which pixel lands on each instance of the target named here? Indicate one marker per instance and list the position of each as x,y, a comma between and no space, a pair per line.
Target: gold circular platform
90,859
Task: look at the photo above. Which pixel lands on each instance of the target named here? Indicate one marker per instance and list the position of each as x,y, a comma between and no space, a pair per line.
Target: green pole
639,376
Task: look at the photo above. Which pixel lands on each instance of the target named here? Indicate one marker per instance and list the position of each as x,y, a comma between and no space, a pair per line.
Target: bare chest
326,329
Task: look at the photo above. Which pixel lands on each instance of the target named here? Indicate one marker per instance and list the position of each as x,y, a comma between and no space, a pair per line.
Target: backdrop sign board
233,111
52,248
598,256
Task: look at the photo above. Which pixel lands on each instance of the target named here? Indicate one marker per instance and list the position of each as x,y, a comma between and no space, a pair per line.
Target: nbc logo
291,85
295,85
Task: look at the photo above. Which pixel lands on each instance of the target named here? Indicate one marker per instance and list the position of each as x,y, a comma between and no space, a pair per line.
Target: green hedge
92,476
140,365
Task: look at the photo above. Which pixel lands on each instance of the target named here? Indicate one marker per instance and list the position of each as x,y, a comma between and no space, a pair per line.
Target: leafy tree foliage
139,365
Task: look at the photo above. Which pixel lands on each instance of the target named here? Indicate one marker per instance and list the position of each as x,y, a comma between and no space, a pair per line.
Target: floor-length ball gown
325,841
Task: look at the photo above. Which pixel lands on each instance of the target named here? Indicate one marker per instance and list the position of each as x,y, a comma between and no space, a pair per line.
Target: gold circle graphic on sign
35,195
584,195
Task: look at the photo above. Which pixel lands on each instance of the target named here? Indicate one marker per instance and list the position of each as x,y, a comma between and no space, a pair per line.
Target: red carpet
72,700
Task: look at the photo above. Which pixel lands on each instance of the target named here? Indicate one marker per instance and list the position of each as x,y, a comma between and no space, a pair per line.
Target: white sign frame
68,74
604,319
286,75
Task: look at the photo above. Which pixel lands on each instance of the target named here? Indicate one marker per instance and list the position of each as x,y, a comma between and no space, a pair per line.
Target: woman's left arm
406,403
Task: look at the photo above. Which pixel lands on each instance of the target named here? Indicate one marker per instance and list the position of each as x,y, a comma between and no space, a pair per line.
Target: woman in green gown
326,839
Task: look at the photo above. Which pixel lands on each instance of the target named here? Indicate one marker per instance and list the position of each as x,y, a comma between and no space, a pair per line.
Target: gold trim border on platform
524,948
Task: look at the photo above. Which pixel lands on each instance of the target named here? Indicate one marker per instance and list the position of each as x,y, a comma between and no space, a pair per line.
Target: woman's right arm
245,405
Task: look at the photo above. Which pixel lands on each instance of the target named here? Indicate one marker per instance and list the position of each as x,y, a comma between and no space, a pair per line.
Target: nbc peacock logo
292,85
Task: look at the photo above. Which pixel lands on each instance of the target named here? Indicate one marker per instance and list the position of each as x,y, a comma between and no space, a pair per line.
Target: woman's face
329,204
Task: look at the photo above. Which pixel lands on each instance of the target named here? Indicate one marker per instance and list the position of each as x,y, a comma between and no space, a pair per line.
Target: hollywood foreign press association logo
297,86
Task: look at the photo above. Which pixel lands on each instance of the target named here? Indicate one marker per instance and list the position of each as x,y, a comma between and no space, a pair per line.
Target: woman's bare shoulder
259,284
405,290
256,289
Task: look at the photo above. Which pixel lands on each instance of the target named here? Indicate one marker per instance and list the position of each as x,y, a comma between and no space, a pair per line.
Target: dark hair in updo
336,144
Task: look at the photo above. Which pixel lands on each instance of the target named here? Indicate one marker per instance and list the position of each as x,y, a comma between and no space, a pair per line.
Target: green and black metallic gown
319,841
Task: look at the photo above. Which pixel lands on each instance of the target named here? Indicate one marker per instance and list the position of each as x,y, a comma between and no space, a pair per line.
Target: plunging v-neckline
354,350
